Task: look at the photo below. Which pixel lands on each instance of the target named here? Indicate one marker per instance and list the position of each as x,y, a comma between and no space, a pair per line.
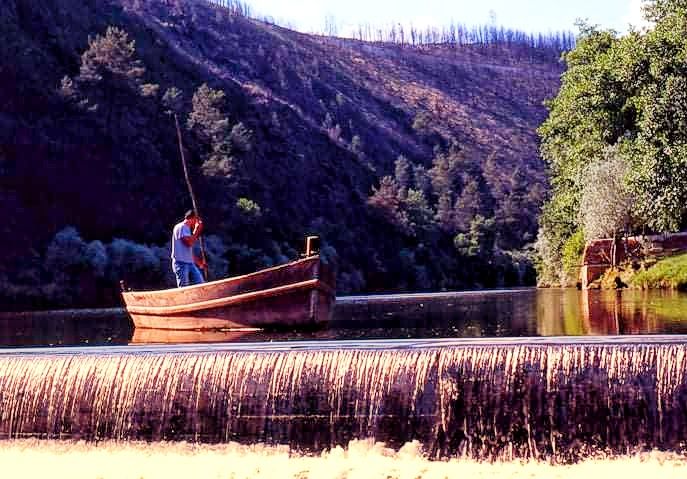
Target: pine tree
444,214
111,55
206,118
212,127
468,205
402,174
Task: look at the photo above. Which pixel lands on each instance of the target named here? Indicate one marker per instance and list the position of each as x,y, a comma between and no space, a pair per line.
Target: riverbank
667,273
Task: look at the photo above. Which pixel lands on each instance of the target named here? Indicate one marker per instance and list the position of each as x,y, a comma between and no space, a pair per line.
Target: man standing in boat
185,264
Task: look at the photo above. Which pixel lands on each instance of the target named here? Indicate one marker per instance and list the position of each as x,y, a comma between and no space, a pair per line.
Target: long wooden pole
190,190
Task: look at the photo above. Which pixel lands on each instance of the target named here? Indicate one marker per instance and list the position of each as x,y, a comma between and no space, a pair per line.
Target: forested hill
418,165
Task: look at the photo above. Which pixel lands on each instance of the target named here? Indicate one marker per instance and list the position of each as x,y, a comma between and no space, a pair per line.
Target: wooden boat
296,294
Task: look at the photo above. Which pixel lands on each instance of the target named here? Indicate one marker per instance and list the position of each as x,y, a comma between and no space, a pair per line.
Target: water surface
476,314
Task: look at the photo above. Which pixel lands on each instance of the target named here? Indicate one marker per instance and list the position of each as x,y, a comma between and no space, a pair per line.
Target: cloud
635,15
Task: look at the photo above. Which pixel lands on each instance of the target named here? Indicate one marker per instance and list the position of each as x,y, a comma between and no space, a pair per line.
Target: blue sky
527,15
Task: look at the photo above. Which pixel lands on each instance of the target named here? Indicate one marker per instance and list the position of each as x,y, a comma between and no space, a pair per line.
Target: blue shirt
180,252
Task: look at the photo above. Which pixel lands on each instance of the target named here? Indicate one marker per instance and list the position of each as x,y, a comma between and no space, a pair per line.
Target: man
184,263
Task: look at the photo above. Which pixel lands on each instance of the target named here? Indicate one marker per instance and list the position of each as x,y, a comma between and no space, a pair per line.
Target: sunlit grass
361,460
669,273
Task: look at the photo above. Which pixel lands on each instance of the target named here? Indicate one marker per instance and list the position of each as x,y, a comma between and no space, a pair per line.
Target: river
498,314
516,383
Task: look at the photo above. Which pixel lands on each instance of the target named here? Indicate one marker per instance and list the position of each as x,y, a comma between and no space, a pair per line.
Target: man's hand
200,263
198,228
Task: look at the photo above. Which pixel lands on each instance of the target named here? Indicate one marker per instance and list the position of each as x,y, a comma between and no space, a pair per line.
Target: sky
526,15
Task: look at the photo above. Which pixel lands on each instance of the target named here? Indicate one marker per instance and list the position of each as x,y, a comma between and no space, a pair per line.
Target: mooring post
312,246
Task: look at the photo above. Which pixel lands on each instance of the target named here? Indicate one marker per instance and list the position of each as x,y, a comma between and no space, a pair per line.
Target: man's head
190,217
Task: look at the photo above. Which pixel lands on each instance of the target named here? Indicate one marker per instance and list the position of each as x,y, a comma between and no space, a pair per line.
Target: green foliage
419,212
125,158
77,272
628,93
403,174
241,138
468,205
66,256
479,240
149,90
669,273
357,145
173,100
211,125
549,259
421,180
446,169
111,54
206,118
249,208
572,252
109,69
444,212
422,123
386,201
216,255
606,201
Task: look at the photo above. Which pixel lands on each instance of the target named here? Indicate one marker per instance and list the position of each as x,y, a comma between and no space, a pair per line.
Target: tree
593,110
241,137
387,202
479,240
112,54
206,118
403,171
629,93
211,125
108,73
173,100
421,180
420,215
658,151
446,169
606,201
468,205
357,146
444,212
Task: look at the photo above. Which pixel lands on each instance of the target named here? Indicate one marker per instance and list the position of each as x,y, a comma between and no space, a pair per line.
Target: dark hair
190,214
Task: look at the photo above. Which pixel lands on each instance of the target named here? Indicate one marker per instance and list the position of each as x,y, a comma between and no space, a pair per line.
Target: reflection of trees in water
593,312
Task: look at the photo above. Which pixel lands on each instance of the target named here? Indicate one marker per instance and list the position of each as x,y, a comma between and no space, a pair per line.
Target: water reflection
506,313
160,336
603,313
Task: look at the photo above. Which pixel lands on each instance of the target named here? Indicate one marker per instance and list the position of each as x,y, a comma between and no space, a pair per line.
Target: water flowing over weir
458,398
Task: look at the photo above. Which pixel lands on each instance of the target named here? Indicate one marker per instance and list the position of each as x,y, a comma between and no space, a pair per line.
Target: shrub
572,252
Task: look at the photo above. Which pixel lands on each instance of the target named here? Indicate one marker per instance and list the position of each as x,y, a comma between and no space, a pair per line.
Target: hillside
326,120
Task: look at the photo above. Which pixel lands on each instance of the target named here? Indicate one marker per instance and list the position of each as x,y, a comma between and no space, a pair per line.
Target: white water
30,459
477,401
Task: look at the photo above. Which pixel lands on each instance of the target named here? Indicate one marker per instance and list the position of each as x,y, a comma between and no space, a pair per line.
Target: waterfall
483,401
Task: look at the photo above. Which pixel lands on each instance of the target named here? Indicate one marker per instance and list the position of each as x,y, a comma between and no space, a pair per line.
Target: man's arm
199,262
189,240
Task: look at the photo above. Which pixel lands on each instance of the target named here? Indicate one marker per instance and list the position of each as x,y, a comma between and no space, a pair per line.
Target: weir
486,400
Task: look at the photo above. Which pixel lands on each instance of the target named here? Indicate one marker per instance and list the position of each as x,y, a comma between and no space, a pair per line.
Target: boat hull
298,294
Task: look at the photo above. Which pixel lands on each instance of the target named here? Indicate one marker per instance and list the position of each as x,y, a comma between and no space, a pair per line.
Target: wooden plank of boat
300,293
